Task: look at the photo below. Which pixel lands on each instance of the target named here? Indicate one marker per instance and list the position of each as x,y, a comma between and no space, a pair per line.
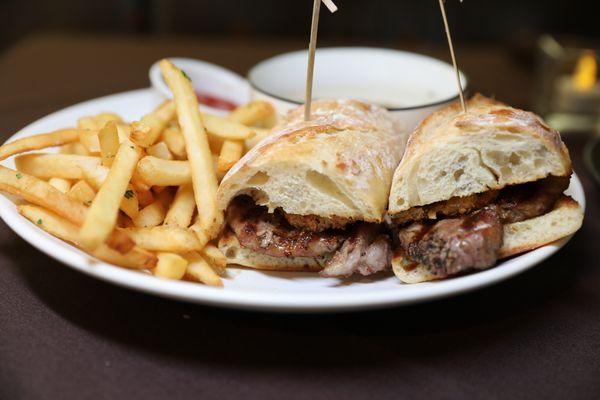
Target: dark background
379,21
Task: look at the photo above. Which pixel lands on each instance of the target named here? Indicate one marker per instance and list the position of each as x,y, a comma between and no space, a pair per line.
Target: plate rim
256,300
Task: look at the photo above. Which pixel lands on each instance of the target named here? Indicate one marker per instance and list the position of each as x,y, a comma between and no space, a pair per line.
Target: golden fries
182,209
174,140
170,266
41,193
82,192
256,112
158,172
226,129
261,133
65,166
198,269
96,177
61,184
165,238
101,218
69,232
97,122
231,152
37,142
204,179
108,139
151,215
74,148
216,258
146,132
160,150
141,195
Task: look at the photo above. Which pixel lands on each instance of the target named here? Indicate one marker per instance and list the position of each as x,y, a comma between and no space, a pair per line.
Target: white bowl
410,85
207,79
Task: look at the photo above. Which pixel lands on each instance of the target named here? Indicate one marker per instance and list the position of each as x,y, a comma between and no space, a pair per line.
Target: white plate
247,289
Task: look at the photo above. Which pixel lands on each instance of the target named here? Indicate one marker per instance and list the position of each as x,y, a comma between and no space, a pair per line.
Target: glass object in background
568,90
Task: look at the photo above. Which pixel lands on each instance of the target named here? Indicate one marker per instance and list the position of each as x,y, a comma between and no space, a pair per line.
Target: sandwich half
312,196
475,187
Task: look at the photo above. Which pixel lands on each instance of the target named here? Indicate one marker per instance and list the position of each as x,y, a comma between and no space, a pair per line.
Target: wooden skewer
460,89
314,27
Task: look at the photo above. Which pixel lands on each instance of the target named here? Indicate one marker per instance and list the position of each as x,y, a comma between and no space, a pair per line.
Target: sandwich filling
466,233
343,247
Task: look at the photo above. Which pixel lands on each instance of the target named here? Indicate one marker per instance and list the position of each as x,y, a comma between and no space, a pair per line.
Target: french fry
74,148
231,152
204,179
108,139
182,209
226,129
65,166
261,133
124,131
174,140
37,142
82,192
97,122
62,185
89,140
158,172
101,217
170,266
215,257
42,194
160,150
166,238
199,269
253,113
69,232
150,216
147,131
96,177
145,197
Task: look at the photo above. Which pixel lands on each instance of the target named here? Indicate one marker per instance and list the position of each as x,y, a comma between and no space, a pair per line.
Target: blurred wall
377,20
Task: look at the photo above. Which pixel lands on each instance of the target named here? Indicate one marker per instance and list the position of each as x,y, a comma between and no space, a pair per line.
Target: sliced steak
521,202
314,223
454,245
366,251
270,234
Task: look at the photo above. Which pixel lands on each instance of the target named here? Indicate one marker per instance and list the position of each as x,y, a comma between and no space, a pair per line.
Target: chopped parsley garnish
87,202
186,75
39,221
129,194
132,147
19,175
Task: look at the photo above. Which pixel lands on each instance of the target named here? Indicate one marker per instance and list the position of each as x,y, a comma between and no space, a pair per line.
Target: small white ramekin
412,85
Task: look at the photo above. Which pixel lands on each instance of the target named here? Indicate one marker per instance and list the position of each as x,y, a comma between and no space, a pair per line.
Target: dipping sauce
215,102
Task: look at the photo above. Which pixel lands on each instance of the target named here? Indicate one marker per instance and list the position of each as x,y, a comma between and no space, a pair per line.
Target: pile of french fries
140,195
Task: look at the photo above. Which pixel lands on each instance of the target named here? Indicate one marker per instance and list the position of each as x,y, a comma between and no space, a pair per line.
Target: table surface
66,335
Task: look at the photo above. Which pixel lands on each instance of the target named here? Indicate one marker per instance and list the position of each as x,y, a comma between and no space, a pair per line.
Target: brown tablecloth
64,335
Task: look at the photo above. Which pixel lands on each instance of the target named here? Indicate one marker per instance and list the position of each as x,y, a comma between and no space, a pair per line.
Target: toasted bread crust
456,154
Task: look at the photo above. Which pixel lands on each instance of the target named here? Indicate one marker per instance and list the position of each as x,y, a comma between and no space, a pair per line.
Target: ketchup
215,102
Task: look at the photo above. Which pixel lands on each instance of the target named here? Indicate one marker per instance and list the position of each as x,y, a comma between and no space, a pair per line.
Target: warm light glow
586,72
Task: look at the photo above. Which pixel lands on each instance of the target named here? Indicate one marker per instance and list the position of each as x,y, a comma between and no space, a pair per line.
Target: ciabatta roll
477,186
317,178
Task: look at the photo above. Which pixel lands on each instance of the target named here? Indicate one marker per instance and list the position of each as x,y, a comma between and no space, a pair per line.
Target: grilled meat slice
366,251
452,207
454,245
314,223
521,202
270,234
